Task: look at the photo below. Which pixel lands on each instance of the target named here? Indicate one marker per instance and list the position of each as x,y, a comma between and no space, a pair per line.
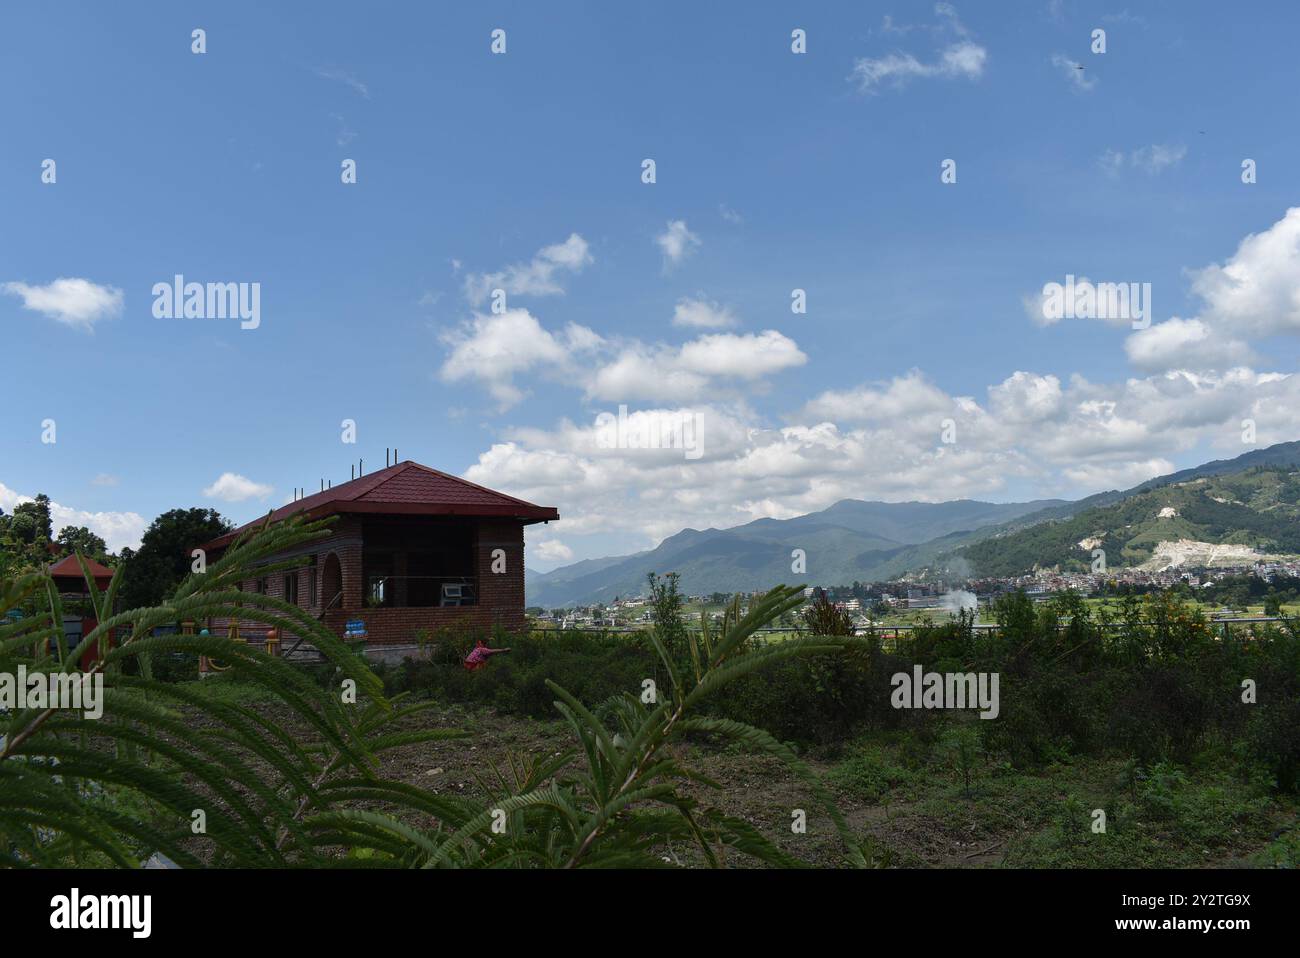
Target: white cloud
493,348
963,60
1034,436
960,58
645,372
552,550
1125,475
119,530
1158,157
1152,159
1074,73
76,302
1027,398
1124,17
1031,434
677,242
104,479
1257,291
692,370
904,398
702,314
537,277
343,76
1254,294
749,356
1112,161
346,134
730,215
232,487
1185,344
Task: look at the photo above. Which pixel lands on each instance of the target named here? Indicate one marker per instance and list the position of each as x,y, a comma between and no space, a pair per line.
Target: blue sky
523,171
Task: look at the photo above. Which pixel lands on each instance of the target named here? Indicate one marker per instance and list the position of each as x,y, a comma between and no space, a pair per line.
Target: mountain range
1247,503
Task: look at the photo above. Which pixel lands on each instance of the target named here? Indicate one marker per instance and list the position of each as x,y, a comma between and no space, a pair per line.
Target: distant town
875,604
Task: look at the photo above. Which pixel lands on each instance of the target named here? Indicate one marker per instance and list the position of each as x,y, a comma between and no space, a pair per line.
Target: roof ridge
92,564
367,495
475,485
378,478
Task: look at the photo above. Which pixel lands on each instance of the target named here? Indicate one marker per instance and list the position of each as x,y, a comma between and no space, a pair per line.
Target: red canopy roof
69,568
407,488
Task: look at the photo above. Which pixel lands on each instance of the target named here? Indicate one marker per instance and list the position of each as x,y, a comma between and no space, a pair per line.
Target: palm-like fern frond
171,768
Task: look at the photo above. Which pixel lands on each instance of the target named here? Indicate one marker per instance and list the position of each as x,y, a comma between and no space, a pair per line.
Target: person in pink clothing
479,655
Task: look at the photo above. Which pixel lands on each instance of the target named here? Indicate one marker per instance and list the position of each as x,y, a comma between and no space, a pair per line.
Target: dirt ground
930,826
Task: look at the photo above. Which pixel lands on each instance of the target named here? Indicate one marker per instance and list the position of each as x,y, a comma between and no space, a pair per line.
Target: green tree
163,559
31,522
666,611
822,617
73,539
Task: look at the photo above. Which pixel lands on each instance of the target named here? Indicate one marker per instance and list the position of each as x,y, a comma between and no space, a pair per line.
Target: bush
870,774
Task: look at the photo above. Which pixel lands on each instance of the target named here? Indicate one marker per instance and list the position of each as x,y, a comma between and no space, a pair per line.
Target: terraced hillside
1223,519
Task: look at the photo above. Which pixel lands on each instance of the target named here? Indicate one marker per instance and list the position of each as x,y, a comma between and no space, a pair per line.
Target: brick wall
500,594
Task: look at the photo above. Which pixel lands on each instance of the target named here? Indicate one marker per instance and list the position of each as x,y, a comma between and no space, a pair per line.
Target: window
291,588
311,588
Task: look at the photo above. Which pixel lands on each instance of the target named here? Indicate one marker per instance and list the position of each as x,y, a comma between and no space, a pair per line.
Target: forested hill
1252,511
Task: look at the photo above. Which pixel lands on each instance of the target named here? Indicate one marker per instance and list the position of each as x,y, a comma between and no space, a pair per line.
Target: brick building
410,548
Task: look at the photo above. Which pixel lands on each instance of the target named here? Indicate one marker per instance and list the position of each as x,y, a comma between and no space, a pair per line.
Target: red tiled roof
407,488
70,568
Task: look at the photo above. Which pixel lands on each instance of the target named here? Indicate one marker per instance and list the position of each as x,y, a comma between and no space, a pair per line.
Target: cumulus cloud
908,397
692,370
958,58
677,242
702,313
1027,398
1030,433
1119,303
119,530
232,487
1033,433
646,372
1257,291
552,550
493,348
1254,294
1185,344
1124,475
540,276
748,356
76,302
